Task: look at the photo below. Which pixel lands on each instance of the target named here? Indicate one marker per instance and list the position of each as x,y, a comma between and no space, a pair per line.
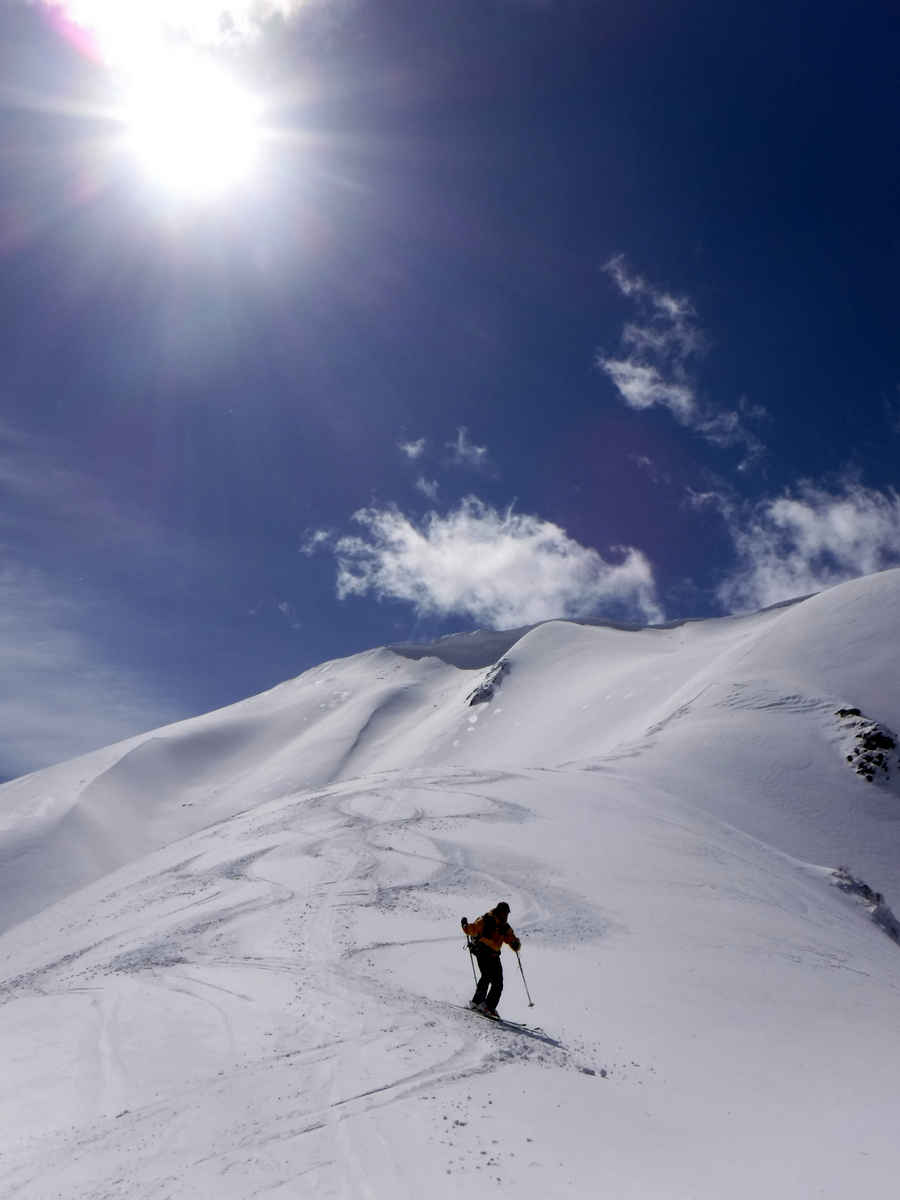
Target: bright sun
192,128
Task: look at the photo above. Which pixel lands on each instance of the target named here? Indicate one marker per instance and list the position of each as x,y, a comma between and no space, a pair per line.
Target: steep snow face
65,826
739,716
248,987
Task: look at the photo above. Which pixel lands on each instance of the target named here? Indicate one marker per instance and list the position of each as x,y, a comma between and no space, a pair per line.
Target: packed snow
232,964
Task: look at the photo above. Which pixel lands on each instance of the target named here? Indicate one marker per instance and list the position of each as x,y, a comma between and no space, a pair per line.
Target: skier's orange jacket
498,932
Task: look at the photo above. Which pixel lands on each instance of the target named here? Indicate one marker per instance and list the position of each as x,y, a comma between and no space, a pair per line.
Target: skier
486,938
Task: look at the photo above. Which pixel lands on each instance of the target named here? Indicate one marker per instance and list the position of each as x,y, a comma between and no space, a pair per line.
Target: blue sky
578,308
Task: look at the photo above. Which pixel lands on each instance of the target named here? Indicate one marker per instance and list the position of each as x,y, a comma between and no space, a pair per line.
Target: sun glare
192,129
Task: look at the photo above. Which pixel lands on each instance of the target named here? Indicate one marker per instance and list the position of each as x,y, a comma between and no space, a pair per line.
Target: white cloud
126,30
413,450
642,386
503,569
290,614
315,541
653,366
797,544
427,487
465,453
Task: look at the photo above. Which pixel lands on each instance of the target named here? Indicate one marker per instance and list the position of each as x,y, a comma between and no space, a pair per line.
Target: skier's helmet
502,909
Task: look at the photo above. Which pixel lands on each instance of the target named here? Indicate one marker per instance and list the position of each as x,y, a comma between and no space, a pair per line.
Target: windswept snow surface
232,948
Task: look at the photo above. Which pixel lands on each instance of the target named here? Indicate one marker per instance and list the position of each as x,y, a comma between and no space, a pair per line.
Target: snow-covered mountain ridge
232,944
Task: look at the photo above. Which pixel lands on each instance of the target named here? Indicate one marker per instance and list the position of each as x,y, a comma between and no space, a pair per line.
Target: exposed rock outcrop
485,690
870,746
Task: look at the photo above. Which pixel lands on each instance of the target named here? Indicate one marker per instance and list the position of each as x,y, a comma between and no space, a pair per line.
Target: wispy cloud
289,613
807,541
39,487
502,569
428,487
61,690
59,694
654,365
413,450
314,540
464,453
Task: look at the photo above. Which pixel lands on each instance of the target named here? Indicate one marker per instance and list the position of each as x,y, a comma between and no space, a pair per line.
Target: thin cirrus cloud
503,569
804,542
44,498
653,368
464,453
60,696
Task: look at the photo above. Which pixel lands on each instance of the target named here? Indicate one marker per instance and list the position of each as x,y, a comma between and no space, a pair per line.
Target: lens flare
126,28
191,128
189,125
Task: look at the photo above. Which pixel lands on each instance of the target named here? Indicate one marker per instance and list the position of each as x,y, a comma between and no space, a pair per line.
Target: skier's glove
464,921
516,945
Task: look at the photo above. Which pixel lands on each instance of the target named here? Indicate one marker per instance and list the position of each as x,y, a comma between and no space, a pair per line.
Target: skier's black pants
491,976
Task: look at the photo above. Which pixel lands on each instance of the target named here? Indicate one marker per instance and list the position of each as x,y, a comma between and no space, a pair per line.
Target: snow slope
232,946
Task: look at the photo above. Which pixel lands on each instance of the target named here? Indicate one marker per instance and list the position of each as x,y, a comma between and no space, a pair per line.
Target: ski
530,1031
500,1020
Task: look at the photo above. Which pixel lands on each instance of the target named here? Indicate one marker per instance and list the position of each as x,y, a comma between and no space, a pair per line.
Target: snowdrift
232,947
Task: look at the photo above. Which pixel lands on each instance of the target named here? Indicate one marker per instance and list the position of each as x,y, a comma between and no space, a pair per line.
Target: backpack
492,926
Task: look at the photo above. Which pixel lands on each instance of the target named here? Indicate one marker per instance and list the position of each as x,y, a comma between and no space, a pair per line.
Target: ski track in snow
232,953
281,930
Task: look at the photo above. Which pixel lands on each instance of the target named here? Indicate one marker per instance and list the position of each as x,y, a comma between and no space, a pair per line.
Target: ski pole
525,981
471,957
